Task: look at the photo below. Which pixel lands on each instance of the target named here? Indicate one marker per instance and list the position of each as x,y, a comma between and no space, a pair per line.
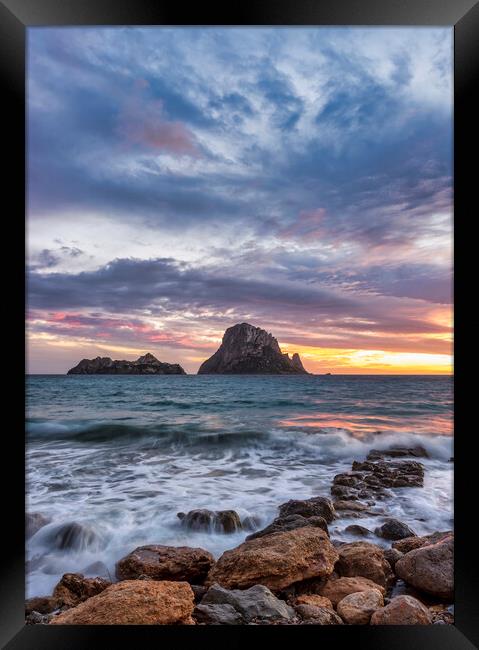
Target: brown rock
341,504
430,568
410,543
402,610
315,507
290,522
339,588
41,604
312,615
166,563
313,599
134,602
365,560
354,529
392,555
276,561
357,608
74,588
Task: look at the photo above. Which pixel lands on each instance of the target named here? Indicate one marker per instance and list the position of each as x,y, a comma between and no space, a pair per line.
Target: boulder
75,536
74,588
180,563
276,561
354,529
218,521
392,555
391,474
312,615
217,614
134,602
410,543
402,610
364,560
355,506
290,522
315,507
338,588
35,618
313,599
394,529
430,568
41,605
357,608
255,603
33,522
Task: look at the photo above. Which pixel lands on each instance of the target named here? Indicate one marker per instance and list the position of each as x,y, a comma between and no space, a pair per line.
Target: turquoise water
122,455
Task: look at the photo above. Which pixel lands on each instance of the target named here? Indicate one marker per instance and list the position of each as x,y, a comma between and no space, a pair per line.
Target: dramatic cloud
182,179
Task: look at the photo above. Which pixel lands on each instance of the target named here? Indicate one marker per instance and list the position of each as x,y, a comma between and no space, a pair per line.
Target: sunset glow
175,190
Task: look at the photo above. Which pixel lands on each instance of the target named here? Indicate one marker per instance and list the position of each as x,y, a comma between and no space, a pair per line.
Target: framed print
242,413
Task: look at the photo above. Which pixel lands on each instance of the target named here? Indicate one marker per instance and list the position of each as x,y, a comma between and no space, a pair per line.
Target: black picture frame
463,15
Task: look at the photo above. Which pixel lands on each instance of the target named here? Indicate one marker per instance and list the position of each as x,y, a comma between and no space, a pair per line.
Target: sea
121,455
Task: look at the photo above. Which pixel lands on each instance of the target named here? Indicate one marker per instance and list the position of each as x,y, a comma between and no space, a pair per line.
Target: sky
182,180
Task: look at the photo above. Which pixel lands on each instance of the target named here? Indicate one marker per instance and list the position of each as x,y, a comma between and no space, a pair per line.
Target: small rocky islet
289,573
244,349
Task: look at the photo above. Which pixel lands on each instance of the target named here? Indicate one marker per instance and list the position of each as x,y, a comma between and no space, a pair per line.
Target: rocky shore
290,572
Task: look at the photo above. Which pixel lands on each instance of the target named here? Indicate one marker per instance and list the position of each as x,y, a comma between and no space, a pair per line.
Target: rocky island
145,365
246,349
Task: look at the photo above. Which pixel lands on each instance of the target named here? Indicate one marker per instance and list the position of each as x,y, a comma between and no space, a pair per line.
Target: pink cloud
308,225
142,122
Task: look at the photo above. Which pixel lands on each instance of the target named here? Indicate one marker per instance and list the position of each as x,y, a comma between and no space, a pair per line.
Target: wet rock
159,562
392,555
41,605
391,474
394,529
75,536
410,543
339,588
97,569
219,521
134,602
33,522
402,610
417,451
74,588
315,507
290,522
255,603
276,561
318,615
354,529
364,560
217,614
251,522
35,618
430,568
312,599
357,608
356,506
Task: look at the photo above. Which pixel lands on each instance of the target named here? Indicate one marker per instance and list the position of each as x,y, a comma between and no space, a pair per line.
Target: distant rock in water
250,350
145,365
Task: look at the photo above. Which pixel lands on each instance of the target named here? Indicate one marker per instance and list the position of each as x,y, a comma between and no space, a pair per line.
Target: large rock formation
134,602
250,350
145,365
276,561
166,563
